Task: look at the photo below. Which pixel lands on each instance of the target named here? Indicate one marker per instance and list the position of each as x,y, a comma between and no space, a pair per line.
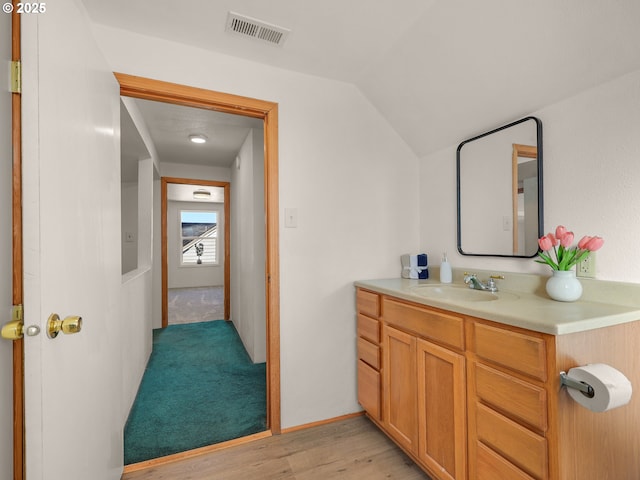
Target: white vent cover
251,27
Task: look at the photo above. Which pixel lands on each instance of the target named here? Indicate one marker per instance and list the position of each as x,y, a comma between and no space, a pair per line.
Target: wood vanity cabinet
473,399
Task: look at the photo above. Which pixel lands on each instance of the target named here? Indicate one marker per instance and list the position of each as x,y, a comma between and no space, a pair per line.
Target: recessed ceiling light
198,138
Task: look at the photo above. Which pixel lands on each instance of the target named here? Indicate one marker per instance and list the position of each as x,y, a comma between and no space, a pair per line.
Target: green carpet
200,388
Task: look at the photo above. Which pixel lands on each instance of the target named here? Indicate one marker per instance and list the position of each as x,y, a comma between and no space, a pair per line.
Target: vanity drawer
430,324
491,466
369,328
369,353
369,394
368,303
514,350
519,400
518,445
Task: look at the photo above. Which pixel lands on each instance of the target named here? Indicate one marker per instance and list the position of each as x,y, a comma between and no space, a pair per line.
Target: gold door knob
71,324
13,330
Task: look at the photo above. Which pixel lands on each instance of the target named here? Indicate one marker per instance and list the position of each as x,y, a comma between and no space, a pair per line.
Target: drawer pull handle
585,388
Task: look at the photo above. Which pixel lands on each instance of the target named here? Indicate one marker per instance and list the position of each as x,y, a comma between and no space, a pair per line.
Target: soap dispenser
445,270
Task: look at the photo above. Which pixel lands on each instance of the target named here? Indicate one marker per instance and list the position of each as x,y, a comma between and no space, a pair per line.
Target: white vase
563,286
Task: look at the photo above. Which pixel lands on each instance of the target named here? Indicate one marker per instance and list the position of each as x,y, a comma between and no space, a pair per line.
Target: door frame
164,242
149,89
17,267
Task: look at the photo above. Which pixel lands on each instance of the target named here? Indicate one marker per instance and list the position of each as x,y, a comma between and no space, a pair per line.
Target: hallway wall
248,255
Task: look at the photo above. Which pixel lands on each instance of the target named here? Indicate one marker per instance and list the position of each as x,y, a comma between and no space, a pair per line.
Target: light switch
291,217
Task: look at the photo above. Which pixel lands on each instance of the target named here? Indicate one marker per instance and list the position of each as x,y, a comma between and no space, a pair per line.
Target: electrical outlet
587,267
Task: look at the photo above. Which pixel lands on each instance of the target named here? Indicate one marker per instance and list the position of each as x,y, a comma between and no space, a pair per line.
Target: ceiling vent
250,27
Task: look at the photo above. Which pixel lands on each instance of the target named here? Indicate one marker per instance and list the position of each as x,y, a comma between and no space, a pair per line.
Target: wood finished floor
352,449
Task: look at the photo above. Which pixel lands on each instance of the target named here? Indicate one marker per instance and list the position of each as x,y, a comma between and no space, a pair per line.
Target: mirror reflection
499,180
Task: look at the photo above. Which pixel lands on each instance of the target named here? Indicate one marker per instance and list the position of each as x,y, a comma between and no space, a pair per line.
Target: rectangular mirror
499,191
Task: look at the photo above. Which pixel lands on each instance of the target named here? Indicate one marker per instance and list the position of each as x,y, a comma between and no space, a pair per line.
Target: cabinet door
442,410
399,387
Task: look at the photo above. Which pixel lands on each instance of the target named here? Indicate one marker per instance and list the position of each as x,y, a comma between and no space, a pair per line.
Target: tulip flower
566,240
583,241
566,256
545,243
594,244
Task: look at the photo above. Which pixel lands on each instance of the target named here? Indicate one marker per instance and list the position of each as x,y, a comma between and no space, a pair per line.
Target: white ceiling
170,126
440,71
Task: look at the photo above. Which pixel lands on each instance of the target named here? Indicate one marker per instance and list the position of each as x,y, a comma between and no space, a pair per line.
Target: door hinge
16,77
17,313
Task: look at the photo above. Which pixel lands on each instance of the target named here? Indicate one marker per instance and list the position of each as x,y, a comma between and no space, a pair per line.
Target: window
199,231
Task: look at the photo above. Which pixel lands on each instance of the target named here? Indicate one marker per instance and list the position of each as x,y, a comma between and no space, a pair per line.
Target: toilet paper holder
584,387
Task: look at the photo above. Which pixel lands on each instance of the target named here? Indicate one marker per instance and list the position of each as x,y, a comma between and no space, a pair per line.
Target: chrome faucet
472,280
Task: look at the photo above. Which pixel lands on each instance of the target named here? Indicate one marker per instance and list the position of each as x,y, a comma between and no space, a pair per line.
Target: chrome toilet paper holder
584,387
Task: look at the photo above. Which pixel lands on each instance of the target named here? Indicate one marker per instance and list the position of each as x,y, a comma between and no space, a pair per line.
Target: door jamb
148,89
17,276
163,235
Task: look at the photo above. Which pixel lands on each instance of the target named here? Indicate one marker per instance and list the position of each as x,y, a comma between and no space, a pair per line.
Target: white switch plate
291,217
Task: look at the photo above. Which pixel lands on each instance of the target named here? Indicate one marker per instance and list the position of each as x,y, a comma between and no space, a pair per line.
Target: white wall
6,348
591,181
136,299
354,183
194,275
129,199
248,253
137,261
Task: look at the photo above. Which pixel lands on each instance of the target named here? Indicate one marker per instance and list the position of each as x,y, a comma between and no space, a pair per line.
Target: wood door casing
17,274
227,236
149,89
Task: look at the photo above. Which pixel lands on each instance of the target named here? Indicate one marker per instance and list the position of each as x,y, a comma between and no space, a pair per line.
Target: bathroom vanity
468,386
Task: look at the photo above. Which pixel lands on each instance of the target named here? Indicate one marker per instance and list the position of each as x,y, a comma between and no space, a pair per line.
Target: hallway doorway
195,253
161,91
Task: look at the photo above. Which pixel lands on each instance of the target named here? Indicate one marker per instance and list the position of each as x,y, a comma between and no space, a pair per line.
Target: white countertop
532,309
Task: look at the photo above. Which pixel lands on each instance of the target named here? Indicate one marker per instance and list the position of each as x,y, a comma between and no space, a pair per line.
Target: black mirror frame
540,187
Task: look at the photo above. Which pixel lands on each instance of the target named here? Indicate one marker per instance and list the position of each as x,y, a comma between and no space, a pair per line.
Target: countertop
526,305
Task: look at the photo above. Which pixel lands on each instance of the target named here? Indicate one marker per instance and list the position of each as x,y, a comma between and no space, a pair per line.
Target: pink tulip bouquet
566,255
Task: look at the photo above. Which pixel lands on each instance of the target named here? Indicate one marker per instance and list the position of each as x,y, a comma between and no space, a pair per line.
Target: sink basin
460,293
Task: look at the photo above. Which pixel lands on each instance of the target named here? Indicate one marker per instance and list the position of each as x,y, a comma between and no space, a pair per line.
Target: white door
6,347
71,201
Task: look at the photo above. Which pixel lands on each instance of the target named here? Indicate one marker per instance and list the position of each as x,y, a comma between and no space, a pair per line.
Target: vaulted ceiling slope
440,71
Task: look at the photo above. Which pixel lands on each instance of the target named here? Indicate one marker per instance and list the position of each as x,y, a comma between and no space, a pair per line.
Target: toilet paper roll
612,389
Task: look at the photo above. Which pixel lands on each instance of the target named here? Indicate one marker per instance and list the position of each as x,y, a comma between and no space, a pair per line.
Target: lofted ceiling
440,71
